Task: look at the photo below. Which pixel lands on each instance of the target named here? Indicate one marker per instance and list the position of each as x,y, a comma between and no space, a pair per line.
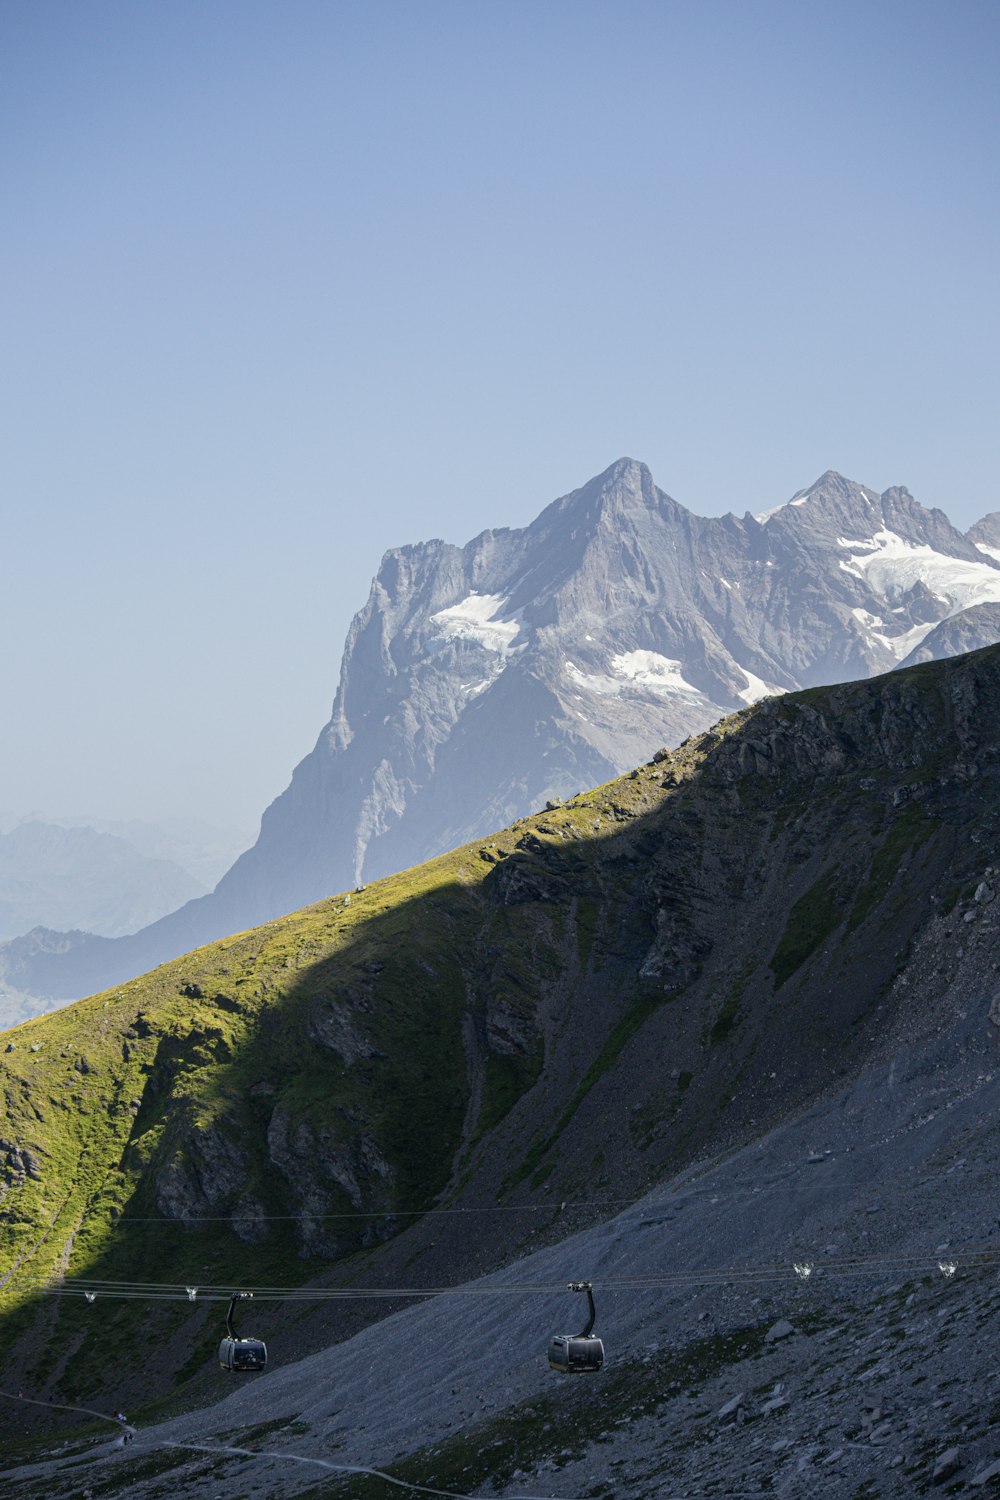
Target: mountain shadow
408,1084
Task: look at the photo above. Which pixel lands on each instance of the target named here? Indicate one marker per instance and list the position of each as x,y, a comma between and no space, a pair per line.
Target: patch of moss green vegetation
729,1011
130,1472
189,1066
506,1078
950,898
724,1021
542,1175
617,1040
905,836
813,918
557,1428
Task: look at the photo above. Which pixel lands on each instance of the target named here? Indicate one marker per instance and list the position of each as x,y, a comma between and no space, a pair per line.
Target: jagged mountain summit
481,681
478,682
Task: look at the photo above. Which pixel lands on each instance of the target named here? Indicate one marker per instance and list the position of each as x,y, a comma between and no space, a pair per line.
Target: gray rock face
320,1167
967,631
205,1169
481,682
986,533
332,1025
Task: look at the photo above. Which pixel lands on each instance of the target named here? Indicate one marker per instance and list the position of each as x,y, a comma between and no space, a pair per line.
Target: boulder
946,1464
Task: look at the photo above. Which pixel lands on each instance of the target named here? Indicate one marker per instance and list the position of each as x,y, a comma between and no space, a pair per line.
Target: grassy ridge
495,1021
317,1066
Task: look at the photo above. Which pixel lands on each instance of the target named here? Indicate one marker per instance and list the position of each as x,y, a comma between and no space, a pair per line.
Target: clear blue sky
285,284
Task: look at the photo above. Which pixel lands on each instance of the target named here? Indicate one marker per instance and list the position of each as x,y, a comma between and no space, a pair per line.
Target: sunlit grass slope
577,1005
321,1065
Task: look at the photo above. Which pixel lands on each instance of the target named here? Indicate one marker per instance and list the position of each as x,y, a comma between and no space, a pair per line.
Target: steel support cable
968,1255
683,1195
968,1259
376,1213
721,1276
709,1277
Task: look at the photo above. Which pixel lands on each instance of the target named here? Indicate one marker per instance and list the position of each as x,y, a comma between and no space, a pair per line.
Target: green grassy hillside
560,1013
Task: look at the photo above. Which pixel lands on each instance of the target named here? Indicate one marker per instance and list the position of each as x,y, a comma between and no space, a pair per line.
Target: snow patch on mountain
763,516
756,688
475,619
648,669
644,669
902,645
891,566
993,552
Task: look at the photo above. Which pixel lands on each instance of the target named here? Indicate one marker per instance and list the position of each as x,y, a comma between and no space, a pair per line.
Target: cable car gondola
243,1355
577,1353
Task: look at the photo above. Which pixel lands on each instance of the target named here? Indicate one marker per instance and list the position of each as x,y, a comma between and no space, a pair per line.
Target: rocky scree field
874,1376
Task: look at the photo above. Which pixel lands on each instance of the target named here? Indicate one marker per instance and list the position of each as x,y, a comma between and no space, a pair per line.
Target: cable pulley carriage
578,1353
245,1356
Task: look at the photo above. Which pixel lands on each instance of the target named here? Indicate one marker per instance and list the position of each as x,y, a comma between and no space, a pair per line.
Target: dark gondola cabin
246,1356
578,1353
575,1356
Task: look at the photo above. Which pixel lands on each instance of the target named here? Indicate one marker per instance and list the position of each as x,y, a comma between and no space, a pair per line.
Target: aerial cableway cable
947,1262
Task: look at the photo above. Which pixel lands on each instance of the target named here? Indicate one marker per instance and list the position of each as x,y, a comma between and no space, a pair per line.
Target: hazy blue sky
285,284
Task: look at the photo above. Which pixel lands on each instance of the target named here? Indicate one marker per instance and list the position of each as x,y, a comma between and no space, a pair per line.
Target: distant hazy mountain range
480,681
77,877
203,851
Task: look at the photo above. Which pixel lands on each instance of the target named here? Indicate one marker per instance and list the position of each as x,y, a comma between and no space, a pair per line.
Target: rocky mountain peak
495,676
847,515
627,483
614,496
831,487
830,503
985,534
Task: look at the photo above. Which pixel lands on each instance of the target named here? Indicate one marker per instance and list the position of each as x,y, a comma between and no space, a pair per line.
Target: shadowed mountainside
565,1013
